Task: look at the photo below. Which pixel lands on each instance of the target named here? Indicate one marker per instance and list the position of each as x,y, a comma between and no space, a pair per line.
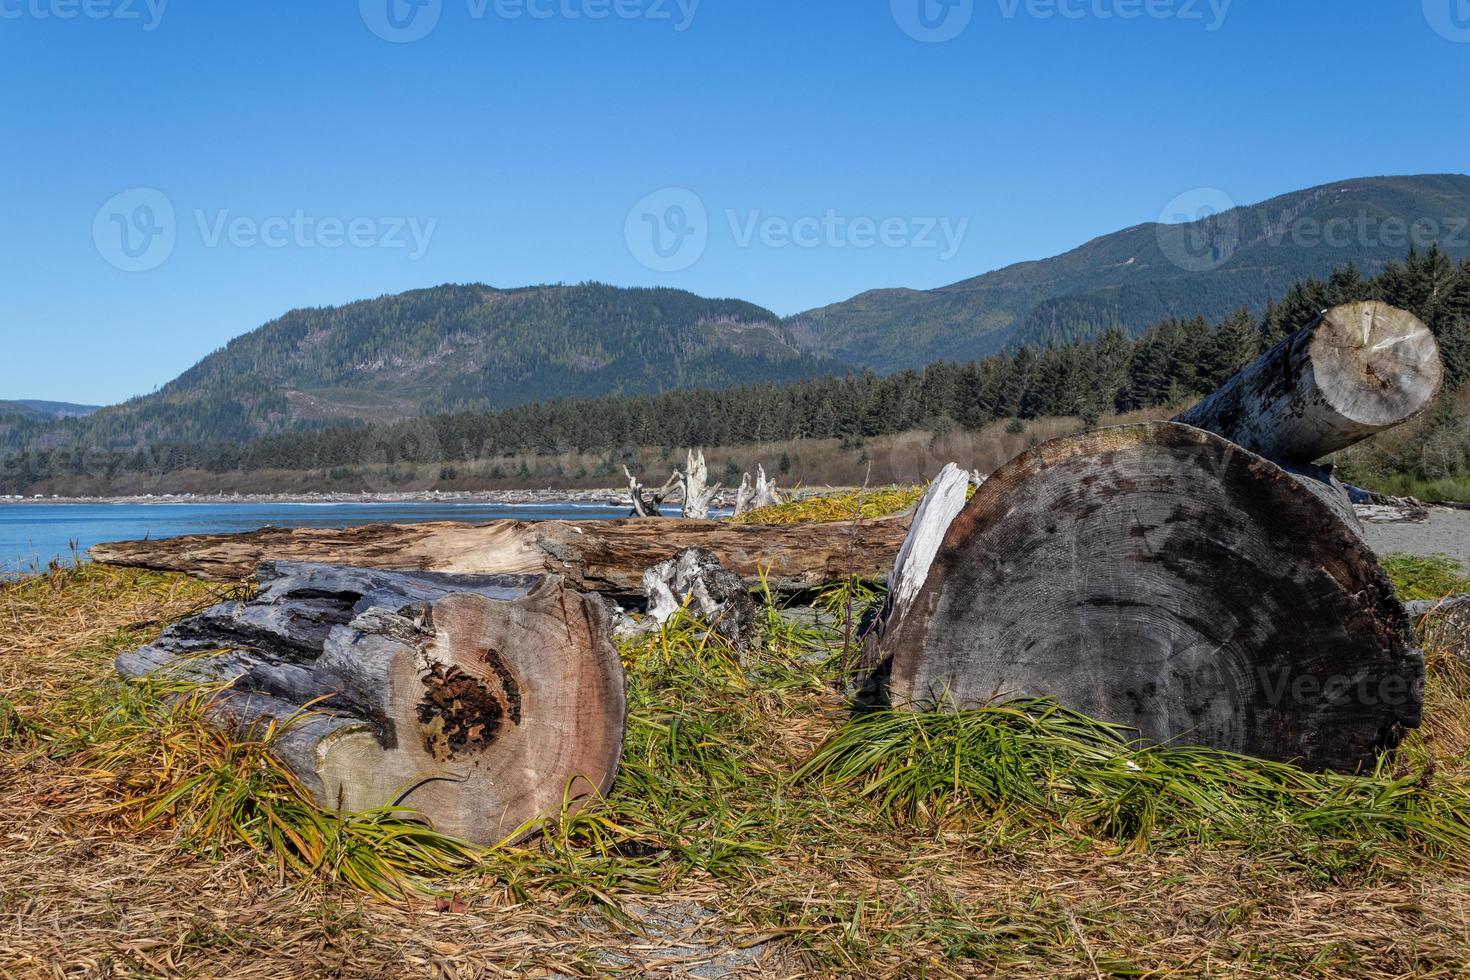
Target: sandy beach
1447,532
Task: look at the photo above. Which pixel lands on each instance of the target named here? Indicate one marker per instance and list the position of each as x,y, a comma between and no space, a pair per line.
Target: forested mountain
1133,278
30,408
445,349
473,348
1171,363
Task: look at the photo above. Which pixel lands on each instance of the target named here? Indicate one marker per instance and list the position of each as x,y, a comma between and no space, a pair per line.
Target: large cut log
1358,370
598,556
1159,576
484,702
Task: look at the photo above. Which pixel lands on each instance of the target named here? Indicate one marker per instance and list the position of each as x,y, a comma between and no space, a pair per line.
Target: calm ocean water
33,534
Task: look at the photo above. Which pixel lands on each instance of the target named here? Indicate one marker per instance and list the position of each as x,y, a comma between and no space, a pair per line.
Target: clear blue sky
519,145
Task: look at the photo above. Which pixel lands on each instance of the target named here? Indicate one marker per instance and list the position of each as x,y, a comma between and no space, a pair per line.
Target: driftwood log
646,504
1358,370
484,702
1172,578
753,496
698,494
695,581
1161,577
609,557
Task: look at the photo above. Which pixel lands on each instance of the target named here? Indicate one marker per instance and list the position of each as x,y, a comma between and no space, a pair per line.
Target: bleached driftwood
941,504
766,492
484,702
698,494
647,504
753,496
599,556
695,580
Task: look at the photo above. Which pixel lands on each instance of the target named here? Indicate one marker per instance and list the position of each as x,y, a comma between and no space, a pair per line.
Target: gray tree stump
1159,576
484,702
698,494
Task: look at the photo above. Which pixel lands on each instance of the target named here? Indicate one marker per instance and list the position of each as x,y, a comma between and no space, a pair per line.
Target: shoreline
550,497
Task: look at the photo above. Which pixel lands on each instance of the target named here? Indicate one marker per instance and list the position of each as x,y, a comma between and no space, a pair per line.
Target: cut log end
1375,365
1159,577
1357,370
486,704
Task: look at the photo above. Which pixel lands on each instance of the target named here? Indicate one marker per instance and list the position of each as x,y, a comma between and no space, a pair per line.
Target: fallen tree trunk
484,702
1358,370
1160,577
597,556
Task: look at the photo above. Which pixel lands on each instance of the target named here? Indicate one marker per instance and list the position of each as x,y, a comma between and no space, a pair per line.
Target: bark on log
597,556
484,702
1358,370
1161,577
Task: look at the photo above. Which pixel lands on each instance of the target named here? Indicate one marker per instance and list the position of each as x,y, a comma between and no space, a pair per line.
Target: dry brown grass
85,894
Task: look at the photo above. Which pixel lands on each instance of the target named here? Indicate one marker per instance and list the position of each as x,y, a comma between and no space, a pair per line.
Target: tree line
1171,363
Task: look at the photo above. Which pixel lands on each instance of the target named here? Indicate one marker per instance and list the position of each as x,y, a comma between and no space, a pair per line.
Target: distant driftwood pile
1199,580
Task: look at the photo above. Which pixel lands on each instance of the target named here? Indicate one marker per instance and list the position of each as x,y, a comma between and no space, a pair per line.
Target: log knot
460,715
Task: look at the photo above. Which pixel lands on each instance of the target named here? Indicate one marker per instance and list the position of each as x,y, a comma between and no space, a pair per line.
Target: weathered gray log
694,580
1358,370
484,702
1159,576
609,557
1445,626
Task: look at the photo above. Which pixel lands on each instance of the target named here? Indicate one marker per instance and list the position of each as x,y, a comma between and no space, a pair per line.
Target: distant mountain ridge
473,347
1136,277
30,407
446,349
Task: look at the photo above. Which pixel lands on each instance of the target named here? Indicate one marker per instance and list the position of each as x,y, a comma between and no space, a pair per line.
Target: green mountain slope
446,349
1132,278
